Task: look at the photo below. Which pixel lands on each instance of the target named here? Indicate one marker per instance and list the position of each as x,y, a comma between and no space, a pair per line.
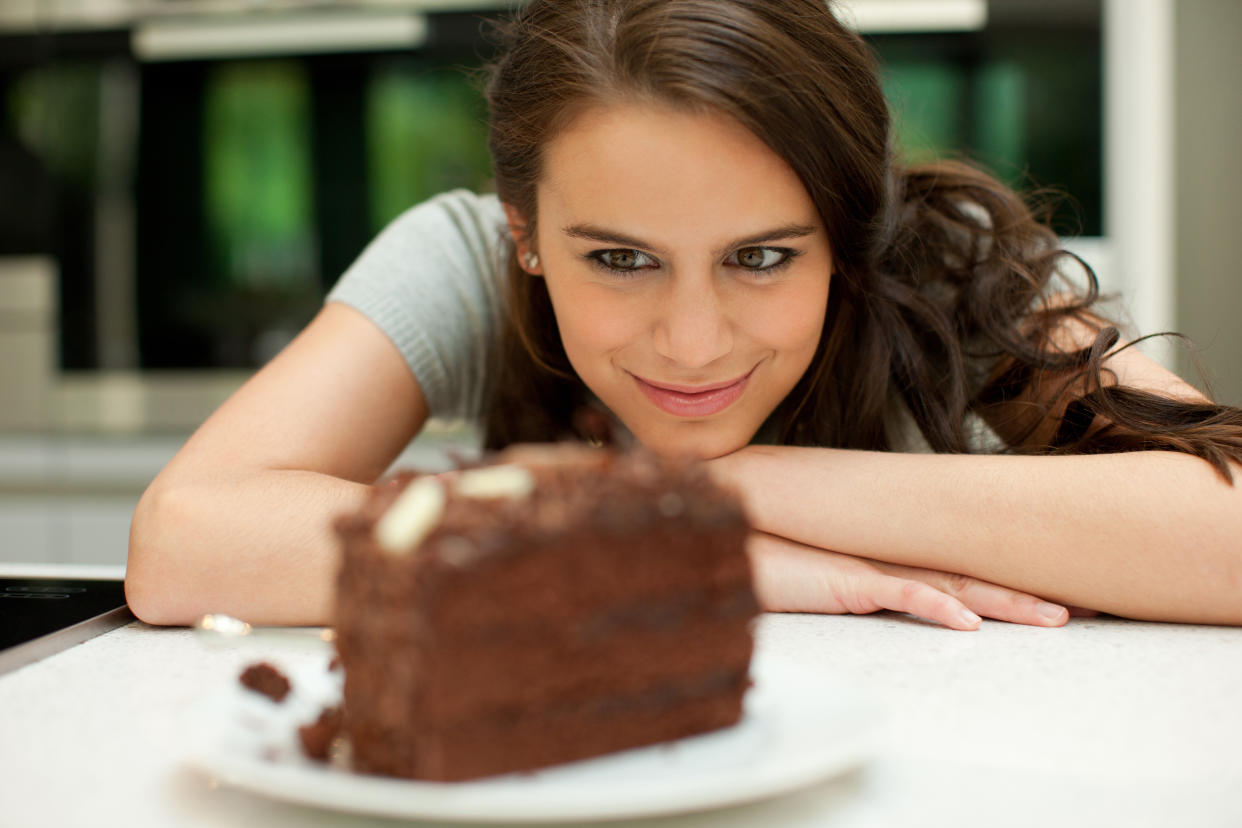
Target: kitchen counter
1102,722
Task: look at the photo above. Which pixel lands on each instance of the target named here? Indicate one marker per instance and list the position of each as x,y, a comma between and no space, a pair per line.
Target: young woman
700,233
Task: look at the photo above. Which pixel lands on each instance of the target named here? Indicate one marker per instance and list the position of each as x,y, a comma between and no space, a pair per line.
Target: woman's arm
240,520
1151,535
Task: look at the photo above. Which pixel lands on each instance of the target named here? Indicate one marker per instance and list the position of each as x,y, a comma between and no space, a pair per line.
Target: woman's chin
693,446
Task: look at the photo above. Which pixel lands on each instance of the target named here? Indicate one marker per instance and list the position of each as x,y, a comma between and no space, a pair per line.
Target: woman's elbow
157,574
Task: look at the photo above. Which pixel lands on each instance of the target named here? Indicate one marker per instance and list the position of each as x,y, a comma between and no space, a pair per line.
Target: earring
531,260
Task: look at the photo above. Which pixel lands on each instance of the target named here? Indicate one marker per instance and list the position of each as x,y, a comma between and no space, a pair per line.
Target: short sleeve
432,281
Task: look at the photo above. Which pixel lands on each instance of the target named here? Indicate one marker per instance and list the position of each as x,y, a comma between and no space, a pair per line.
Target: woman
710,243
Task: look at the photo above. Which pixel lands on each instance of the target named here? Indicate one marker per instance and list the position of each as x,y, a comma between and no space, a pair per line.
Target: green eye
622,259
759,258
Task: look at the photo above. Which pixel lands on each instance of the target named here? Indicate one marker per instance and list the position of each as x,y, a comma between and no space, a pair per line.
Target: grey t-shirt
433,282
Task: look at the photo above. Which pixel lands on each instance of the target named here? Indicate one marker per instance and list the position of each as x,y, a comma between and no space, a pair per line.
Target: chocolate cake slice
556,605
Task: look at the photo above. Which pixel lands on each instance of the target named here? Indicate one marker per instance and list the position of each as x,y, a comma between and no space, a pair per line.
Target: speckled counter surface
1103,722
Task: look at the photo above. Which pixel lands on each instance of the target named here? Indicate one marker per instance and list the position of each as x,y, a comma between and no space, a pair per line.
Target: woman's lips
687,401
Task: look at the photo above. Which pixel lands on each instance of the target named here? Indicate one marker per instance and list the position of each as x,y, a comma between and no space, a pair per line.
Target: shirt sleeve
432,282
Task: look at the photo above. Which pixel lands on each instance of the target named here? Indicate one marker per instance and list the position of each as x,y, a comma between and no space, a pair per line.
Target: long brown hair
945,288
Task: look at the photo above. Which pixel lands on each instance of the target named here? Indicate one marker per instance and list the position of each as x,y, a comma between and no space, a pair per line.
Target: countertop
1102,722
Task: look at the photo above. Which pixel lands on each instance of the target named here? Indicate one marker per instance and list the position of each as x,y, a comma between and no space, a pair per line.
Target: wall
1208,187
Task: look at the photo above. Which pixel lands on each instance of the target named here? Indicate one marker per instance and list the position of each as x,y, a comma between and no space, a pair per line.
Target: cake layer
591,572
460,684
541,737
501,633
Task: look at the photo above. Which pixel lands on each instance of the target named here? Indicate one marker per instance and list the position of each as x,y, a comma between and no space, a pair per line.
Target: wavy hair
945,293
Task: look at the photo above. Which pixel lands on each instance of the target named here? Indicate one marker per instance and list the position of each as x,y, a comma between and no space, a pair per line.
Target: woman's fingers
922,599
791,577
1005,604
988,599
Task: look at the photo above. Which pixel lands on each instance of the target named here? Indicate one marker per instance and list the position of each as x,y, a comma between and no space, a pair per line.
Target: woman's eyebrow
788,231
600,234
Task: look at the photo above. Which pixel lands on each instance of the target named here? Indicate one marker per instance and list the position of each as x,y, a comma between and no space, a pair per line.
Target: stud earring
531,260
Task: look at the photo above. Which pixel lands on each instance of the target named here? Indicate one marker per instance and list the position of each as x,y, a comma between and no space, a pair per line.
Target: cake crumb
317,737
265,679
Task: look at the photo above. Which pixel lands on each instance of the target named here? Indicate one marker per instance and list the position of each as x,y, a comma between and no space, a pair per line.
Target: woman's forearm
1153,535
259,547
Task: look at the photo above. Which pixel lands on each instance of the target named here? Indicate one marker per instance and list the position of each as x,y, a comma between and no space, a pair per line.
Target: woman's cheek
594,319
793,322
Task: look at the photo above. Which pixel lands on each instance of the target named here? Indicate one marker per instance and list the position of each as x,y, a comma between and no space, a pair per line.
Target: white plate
797,729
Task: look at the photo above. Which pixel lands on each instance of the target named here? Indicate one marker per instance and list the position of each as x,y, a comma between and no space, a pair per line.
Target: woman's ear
522,242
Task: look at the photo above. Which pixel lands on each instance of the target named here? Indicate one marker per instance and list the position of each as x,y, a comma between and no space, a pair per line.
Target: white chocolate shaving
496,481
413,515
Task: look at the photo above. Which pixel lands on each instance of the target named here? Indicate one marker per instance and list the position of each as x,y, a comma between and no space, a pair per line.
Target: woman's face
688,270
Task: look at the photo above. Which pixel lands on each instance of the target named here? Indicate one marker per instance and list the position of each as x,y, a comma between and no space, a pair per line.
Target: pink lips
691,401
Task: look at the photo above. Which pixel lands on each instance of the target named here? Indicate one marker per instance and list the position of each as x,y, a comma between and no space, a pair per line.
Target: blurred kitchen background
182,180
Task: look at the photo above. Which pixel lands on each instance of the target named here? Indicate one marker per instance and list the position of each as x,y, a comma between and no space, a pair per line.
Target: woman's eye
622,259
759,258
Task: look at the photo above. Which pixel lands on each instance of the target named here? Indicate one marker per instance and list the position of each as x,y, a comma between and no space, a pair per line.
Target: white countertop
1103,722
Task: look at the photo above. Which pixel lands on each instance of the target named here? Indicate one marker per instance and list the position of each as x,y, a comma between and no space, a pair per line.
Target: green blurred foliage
426,133
54,111
257,167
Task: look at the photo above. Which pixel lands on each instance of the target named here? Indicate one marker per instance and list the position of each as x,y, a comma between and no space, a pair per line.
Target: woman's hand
792,577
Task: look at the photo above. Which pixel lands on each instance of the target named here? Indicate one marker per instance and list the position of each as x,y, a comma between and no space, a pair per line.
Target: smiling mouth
694,401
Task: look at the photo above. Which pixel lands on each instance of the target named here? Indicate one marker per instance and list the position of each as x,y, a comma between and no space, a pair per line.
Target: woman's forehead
654,172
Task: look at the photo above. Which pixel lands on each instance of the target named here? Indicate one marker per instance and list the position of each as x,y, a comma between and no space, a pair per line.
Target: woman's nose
693,329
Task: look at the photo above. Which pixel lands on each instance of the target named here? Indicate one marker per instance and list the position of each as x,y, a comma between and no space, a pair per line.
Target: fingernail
969,618
1050,611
